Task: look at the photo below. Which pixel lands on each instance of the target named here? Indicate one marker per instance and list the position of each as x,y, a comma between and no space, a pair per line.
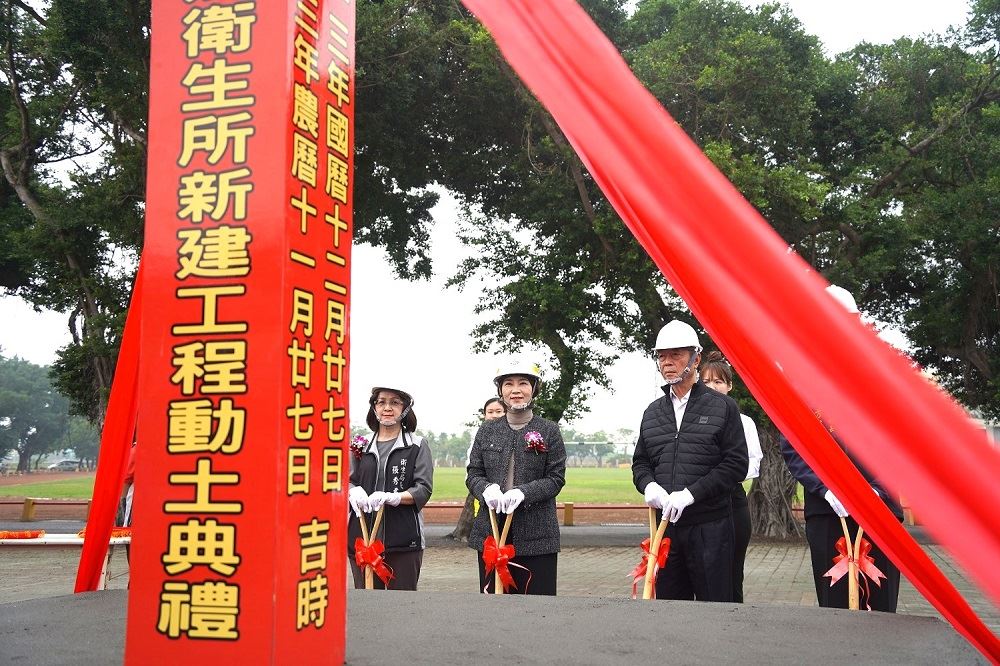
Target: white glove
511,500
656,496
358,499
678,502
838,508
493,496
378,498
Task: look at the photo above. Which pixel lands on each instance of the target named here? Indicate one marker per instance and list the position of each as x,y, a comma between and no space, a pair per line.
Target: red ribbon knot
370,555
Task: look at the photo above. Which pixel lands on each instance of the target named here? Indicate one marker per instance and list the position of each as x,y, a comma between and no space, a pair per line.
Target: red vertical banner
239,548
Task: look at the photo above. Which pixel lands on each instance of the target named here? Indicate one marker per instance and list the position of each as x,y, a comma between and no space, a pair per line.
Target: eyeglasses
395,404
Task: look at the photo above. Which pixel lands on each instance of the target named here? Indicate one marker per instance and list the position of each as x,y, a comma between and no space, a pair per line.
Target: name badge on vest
702,419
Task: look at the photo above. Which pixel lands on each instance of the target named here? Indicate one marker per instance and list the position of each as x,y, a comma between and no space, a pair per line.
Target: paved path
594,562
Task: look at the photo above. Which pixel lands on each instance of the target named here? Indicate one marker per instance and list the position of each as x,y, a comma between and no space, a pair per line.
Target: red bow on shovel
499,558
640,569
370,555
858,563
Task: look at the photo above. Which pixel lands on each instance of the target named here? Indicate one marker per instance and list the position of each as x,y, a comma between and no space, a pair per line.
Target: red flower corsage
535,442
358,444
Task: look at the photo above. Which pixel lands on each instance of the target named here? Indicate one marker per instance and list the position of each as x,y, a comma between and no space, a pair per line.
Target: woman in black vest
395,470
519,462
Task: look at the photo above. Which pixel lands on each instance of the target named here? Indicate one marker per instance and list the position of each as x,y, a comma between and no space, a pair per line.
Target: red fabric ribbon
371,556
866,567
495,557
640,569
841,562
675,201
21,534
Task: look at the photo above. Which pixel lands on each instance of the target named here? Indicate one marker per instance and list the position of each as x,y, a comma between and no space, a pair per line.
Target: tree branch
31,12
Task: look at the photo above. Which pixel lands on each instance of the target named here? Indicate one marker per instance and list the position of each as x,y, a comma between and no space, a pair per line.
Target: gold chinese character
305,159
296,412
203,480
214,609
220,365
194,543
336,130
306,210
202,194
214,135
334,415
302,357
209,310
218,252
175,609
342,27
339,224
191,422
302,311
334,369
336,319
313,600
336,177
313,538
219,28
302,24
332,467
339,83
216,86
306,58
305,110
298,471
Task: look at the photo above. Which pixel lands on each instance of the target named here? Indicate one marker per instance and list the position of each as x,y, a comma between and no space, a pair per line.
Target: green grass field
81,488
584,485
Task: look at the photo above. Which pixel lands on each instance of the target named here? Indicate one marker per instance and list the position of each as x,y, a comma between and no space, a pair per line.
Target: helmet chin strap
388,423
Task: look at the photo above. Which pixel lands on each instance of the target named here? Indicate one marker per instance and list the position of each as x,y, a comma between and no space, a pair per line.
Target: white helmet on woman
520,367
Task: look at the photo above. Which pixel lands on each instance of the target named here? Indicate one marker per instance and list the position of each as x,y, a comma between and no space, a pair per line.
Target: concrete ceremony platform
456,628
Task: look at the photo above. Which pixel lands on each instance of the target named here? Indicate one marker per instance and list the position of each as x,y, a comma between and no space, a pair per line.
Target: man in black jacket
690,454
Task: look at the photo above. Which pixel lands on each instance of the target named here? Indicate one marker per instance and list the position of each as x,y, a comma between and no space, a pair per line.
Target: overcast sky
431,355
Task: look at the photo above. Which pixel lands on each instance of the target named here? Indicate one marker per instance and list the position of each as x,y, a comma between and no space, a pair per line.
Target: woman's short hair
715,364
409,422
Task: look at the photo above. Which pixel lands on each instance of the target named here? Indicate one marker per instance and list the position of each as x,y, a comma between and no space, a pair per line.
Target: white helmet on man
677,335
843,297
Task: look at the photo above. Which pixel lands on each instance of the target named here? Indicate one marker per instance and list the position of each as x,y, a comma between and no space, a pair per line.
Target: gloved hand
656,496
511,500
838,508
492,496
679,501
358,499
378,498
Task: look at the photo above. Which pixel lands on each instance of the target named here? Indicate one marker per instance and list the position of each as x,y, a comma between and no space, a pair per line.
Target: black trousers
541,567
822,532
741,530
700,563
405,569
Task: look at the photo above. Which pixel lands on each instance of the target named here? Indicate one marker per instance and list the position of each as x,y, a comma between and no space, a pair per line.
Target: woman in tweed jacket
519,462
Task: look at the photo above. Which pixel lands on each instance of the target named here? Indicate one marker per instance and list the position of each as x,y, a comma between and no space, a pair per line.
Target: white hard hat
407,398
843,297
519,367
677,335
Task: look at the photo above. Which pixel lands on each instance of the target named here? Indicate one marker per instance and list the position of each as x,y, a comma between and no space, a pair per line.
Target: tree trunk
464,526
771,494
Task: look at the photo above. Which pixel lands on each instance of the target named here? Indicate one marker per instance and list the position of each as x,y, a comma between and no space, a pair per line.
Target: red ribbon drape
495,557
639,572
766,309
116,439
371,556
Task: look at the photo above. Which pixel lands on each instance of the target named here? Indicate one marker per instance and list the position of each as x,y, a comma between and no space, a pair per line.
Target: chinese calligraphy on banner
240,527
